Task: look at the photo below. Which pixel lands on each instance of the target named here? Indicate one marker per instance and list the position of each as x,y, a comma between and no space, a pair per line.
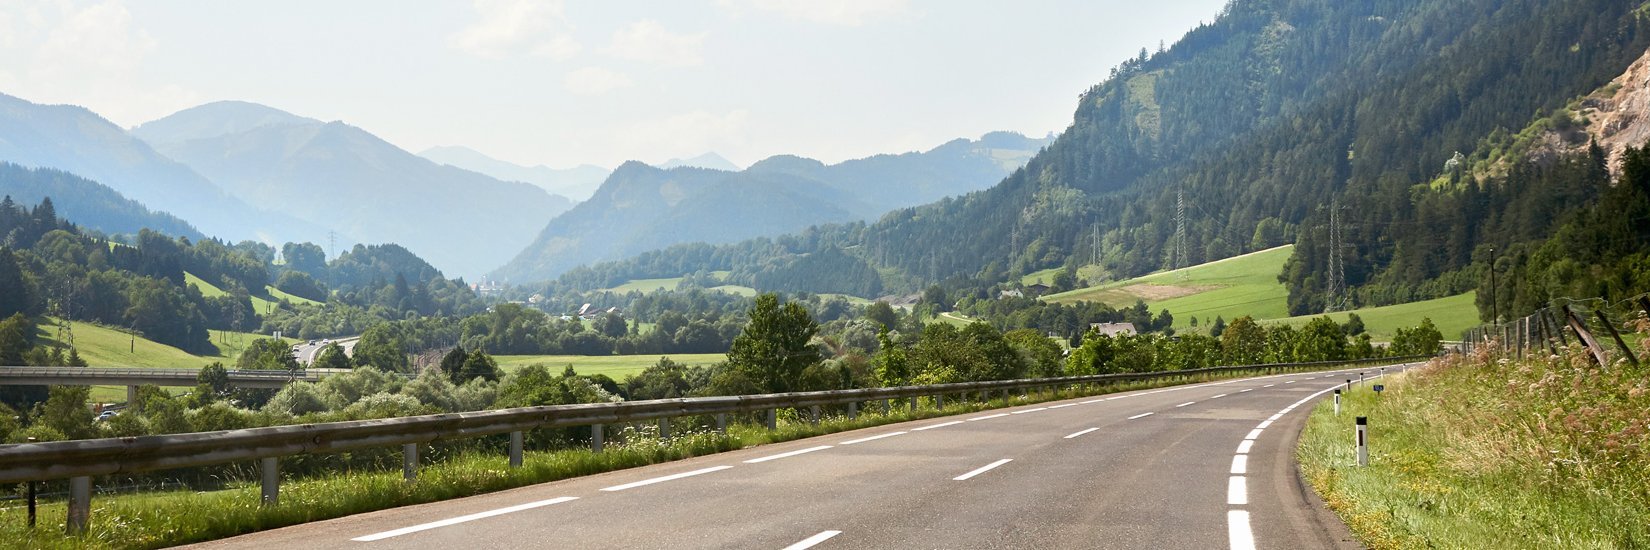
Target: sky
597,82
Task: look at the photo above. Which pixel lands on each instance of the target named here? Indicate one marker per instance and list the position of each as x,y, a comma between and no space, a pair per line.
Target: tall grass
158,519
1490,451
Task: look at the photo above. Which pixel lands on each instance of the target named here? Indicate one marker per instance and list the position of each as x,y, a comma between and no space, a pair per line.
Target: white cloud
518,27
595,81
87,54
687,134
649,41
831,12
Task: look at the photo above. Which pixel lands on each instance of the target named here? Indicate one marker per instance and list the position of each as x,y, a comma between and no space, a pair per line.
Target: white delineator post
1362,426
1337,402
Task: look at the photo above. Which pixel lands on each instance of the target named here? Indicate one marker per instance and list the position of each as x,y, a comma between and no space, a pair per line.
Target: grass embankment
153,520
1487,452
262,302
616,367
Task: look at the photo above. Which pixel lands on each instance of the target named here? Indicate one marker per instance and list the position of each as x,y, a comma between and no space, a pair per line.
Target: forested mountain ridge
76,140
341,176
104,209
642,208
1257,122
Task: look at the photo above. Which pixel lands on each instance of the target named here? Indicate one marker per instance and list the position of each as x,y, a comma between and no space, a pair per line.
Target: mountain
642,208
75,140
710,161
77,198
1249,132
339,175
576,183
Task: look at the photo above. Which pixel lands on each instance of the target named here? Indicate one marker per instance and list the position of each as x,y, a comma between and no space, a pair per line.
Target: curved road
1198,466
305,352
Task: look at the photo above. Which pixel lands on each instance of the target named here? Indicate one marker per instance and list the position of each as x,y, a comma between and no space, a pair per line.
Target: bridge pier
132,399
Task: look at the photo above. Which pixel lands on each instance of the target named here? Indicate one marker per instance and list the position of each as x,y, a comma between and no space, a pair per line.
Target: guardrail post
813,414
664,428
773,419
722,423
887,406
270,468
596,438
912,405
1362,428
80,505
853,410
939,401
409,461
515,449
132,399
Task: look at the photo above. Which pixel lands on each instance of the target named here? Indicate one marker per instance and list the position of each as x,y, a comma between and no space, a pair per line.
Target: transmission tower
1336,293
1179,259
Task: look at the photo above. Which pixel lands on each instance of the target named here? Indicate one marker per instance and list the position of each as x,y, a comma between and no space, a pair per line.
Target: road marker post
1360,379
1349,384
1362,428
515,449
1337,402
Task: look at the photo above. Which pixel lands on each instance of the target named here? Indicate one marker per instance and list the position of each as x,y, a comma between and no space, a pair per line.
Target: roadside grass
1452,316
159,519
616,367
1491,452
1230,288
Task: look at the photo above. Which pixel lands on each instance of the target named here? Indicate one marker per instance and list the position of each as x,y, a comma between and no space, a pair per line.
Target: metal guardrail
120,376
79,460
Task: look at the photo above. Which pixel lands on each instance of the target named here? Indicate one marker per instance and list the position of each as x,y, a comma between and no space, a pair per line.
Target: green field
1452,316
647,285
1046,276
1230,288
1248,285
617,367
111,347
261,304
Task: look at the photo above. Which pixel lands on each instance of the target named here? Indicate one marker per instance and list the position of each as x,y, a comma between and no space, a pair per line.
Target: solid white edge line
1237,491
461,519
872,438
982,469
1240,536
1030,410
813,540
988,417
940,425
1184,404
1264,425
786,455
1080,433
1245,446
1062,406
1141,415
671,477
1092,401
1254,434
1240,464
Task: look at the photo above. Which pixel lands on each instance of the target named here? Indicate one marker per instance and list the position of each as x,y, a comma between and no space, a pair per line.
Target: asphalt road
1147,469
306,353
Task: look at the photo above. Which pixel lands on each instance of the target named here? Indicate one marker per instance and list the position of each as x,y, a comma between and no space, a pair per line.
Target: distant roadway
1198,466
306,352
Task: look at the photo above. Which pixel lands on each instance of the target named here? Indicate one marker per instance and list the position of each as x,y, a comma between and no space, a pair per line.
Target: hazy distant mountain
710,160
641,208
87,203
342,176
576,183
76,140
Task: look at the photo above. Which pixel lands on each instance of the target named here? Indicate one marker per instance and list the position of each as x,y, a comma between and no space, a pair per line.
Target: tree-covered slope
102,208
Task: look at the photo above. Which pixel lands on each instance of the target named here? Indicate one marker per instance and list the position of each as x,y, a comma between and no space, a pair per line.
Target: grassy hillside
617,367
1230,288
112,347
1452,316
260,303
1248,285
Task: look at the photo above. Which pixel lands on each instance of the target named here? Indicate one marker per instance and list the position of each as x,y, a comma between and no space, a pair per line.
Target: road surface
306,352
1198,466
